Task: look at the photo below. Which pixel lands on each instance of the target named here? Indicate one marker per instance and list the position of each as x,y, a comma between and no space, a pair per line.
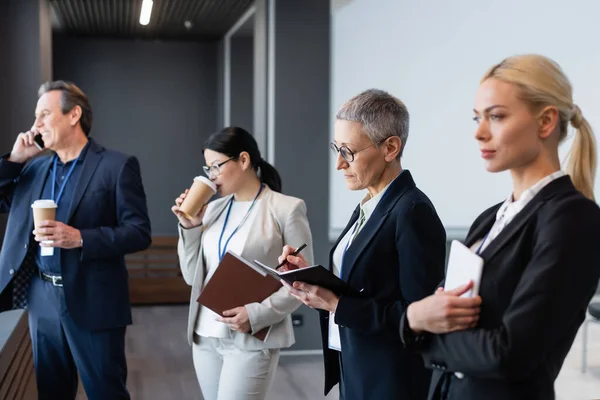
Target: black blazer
396,258
108,207
539,275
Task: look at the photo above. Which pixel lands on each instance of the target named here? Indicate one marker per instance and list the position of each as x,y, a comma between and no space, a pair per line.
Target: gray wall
301,117
302,120
220,83
155,100
242,82
260,75
26,54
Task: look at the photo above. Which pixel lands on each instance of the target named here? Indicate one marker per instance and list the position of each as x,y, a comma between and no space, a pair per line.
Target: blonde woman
540,246
254,220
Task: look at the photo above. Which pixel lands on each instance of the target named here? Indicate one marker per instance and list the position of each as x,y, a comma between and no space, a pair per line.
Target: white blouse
206,324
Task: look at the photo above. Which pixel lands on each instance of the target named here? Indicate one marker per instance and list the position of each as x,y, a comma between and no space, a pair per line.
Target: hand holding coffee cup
190,206
186,222
57,234
44,210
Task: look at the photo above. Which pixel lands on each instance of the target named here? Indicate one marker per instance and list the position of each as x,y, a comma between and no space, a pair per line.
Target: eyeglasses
215,170
346,153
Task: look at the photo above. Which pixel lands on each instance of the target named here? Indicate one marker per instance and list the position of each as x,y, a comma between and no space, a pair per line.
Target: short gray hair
381,115
71,96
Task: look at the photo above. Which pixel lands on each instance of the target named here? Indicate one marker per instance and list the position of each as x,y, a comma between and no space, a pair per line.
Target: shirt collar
510,206
81,157
368,204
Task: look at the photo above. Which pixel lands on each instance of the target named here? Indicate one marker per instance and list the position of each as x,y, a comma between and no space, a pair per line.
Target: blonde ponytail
581,165
541,83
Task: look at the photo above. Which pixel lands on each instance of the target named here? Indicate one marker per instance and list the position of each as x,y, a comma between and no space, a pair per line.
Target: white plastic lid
207,181
44,204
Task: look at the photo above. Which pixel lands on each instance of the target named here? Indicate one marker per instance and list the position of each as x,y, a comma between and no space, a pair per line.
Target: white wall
431,54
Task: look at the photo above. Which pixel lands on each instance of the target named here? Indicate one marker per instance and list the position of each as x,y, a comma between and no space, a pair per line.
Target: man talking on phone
69,273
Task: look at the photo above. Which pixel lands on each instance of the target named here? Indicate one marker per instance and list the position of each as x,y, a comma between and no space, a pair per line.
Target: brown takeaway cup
201,191
44,210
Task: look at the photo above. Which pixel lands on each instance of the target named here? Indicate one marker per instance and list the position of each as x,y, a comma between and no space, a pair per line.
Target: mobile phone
39,143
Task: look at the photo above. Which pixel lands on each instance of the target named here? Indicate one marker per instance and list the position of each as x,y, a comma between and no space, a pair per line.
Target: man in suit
77,298
391,253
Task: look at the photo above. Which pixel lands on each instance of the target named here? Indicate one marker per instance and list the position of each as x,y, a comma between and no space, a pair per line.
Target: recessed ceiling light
146,12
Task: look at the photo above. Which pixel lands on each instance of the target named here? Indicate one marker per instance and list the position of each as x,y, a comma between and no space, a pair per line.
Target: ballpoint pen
295,253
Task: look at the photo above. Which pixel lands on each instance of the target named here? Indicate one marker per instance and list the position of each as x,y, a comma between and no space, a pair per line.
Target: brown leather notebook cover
237,282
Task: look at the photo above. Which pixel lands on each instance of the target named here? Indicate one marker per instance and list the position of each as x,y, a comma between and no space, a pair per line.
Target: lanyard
222,252
500,220
482,243
64,184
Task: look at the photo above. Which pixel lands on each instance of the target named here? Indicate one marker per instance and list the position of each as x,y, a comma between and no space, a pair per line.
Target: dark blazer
108,207
396,258
539,275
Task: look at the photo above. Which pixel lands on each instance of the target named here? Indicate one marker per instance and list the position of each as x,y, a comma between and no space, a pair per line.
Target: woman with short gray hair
391,253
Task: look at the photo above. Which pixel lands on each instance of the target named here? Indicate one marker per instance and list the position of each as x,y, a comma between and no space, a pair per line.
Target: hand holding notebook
313,275
235,283
463,266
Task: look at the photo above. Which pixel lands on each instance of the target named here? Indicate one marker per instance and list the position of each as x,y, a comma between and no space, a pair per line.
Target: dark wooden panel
154,274
17,376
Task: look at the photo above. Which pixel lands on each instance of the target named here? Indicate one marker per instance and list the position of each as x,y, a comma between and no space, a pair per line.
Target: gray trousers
225,372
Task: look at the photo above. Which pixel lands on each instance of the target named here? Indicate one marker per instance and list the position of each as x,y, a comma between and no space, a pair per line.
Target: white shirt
510,208
367,207
206,324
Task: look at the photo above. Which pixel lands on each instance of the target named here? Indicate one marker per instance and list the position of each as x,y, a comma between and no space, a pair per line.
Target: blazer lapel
512,228
361,241
353,219
394,192
40,179
261,231
90,163
217,212
559,185
482,229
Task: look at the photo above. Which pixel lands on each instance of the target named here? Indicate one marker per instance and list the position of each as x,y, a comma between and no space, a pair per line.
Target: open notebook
313,275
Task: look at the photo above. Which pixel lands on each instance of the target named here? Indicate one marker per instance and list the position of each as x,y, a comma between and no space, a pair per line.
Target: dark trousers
341,384
61,349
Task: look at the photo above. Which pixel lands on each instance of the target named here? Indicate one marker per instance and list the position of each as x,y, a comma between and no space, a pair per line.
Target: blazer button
25,246
12,271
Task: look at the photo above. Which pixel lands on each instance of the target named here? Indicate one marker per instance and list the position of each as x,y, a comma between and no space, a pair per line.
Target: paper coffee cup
44,210
201,191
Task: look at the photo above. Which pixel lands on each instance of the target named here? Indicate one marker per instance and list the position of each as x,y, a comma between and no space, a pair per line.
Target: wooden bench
17,374
154,274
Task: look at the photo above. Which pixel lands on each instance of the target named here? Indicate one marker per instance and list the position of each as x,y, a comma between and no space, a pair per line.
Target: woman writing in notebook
253,219
540,246
390,254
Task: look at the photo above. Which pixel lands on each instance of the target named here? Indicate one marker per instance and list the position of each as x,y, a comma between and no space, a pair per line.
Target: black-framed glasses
215,170
346,153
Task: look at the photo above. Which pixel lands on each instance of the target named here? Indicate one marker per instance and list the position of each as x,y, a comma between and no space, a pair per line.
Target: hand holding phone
25,147
38,141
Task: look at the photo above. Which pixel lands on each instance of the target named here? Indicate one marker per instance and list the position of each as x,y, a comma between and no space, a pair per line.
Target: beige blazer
280,220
